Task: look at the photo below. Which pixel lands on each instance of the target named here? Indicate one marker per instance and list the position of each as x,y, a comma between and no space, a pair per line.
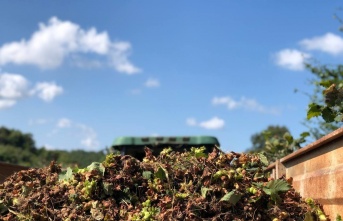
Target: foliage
273,188
17,139
190,185
258,140
19,148
332,110
277,142
325,104
278,147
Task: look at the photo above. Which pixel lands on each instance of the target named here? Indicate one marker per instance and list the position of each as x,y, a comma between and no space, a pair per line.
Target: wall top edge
312,146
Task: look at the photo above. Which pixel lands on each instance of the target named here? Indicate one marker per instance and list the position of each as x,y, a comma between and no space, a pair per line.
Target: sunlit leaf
204,191
67,176
287,136
98,167
278,185
147,175
314,110
231,197
161,173
263,159
273,187
325,83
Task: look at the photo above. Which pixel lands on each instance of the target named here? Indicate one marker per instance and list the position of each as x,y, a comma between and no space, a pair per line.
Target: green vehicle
134,146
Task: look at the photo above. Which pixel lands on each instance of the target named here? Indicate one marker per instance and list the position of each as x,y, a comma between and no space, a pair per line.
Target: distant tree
17,147
17,139
325,103
258,140
276,142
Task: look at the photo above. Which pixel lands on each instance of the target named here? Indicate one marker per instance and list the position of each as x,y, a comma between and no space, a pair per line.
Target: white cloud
6,103
78,133
329,43
291,59
90,139
14,87
214,123
47,91
152,82
54,41
231,103
244,103
118,58
64,123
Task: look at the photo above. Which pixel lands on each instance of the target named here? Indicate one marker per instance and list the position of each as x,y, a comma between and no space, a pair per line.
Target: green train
134,146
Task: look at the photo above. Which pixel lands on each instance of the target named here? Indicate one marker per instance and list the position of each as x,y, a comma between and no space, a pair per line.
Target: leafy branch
332,110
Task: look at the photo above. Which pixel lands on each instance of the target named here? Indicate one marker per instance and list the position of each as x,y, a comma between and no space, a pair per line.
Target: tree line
19,148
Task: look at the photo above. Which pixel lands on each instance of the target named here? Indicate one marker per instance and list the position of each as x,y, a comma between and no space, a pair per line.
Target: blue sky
78,74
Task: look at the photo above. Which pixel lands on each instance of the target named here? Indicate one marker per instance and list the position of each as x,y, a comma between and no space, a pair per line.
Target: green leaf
147,175
161,173
328,115
231,197
266,134
339,118
259,184
314,110
274,186
278,185
338,218
199,152
67,176
263,159
304,134
287,136
98,167
325,84
204,191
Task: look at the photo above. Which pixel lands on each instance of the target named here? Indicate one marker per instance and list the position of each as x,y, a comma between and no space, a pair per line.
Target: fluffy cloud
291,59
87,136
54,41
244,103
329,43
14,87
152,82
6,103
47,91
214,123
90,139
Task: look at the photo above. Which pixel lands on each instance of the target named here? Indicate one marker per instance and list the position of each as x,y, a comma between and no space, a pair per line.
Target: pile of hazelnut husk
191,185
